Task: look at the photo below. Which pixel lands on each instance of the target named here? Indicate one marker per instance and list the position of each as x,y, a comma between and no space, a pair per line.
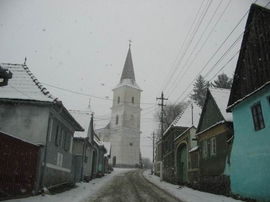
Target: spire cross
130,42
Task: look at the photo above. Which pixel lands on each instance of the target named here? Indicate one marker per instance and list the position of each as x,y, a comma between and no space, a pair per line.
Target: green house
214,134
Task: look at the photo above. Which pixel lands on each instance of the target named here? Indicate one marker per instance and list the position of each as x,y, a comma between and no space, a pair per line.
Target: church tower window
116,119
132,119
118,101
132,100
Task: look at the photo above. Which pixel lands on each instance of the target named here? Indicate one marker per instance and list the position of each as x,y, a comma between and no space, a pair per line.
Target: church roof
128,71
128,76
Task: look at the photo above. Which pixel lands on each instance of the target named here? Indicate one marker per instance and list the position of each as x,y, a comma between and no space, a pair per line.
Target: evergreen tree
223,81
199,89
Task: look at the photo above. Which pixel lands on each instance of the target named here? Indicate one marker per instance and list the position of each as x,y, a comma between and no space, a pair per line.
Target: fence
18,167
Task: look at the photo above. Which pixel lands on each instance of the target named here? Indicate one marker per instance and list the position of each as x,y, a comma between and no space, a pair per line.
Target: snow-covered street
186,194
96,189
80,193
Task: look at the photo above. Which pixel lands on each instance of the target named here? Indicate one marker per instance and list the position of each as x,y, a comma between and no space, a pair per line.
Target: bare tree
170,113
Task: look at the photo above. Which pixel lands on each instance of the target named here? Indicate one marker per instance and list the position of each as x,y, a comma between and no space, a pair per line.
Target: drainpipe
45,152
83,157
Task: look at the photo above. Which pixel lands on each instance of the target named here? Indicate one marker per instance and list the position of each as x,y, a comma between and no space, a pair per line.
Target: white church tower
125,119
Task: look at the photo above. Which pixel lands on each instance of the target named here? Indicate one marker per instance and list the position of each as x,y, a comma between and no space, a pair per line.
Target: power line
203,14
21,92
170,72
188,68
93,96
224,53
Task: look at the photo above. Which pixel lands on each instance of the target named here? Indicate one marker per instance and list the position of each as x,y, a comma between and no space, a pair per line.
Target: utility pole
153,166
162,148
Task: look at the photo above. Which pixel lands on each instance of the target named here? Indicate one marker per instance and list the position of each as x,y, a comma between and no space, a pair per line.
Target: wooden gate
18,166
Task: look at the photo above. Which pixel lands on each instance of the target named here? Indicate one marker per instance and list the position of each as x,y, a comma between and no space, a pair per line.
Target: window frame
213,146
58,136
257,116
205,149
67,141
116,120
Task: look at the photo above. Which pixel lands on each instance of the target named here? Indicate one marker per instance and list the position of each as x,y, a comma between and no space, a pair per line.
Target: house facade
214,135
28,111
178,139
83,147
250,106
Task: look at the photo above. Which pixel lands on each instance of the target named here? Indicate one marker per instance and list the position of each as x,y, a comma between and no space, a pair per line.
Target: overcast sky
81,46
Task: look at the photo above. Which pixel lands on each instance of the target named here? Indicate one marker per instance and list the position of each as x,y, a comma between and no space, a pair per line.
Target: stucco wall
126,147
250,158
27,122
58,172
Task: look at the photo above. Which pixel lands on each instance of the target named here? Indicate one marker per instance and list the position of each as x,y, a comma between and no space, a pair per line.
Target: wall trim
57,167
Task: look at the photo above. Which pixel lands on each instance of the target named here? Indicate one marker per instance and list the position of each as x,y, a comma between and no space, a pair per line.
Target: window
132,100
59,159
257,117
66,142
118,100
213,146
85,159
132,120
63,138
116,119
58,136
204,152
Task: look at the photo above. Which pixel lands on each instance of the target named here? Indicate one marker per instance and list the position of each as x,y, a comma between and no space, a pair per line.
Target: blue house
250,104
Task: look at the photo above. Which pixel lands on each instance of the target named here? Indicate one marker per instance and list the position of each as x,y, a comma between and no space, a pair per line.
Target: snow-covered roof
84,119
221,97
194,149
97,141
128,82
212,126
24,85
107,146
188,115
185,118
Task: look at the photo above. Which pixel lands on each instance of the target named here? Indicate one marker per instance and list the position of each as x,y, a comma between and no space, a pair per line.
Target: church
123,130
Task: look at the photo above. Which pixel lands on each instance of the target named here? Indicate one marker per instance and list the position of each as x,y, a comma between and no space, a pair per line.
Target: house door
114,161
94,164
182,163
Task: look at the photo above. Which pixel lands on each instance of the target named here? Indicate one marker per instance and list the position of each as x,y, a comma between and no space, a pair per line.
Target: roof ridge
38,84
181,114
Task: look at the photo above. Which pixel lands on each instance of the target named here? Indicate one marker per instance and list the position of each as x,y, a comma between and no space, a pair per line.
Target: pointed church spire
128,71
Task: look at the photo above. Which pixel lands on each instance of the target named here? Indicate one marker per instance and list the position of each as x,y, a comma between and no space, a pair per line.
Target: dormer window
132,100
118,100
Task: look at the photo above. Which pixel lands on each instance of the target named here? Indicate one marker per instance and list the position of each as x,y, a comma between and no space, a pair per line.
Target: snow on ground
186,194
81,192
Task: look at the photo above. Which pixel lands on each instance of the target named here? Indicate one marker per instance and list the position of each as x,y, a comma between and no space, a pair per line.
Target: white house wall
27,122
